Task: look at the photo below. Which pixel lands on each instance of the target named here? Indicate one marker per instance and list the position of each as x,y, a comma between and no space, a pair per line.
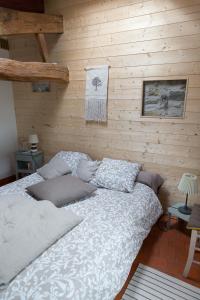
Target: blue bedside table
28,162
174,212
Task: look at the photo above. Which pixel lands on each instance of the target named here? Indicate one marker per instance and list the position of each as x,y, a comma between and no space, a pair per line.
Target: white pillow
117,175
72,159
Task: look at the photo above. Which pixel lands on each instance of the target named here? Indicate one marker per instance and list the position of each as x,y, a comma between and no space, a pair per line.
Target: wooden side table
194,225
28,162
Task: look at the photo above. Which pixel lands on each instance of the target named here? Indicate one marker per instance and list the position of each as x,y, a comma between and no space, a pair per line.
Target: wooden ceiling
24,5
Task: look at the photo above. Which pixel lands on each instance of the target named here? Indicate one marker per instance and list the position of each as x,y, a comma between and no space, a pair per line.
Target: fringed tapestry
96,94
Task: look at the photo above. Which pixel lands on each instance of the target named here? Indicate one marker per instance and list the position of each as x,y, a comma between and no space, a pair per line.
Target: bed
94,259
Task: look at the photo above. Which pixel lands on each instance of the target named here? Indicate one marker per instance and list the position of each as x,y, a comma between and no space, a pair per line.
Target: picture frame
40,86
164,98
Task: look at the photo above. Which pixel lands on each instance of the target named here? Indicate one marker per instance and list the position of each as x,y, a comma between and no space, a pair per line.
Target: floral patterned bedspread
92,261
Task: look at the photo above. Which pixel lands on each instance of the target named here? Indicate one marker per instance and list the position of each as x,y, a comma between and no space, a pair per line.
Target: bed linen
31,225
93,260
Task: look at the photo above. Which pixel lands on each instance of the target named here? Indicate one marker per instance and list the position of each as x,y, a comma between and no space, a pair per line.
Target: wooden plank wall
139,40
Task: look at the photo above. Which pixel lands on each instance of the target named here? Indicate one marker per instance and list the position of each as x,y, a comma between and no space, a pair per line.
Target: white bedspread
92,261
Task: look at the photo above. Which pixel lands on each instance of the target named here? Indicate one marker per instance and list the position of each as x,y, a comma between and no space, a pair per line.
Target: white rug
150,284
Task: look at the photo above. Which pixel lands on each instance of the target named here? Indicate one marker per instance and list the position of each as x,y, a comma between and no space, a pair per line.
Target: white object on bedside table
189,186
33,141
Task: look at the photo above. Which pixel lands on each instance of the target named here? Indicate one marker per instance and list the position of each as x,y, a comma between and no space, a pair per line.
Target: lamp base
34,148
185,210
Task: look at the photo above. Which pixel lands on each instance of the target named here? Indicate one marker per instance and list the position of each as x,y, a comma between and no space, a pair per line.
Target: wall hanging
96,93
164,98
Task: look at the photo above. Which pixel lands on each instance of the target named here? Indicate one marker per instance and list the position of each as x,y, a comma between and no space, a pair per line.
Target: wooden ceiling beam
42,46
14,22
32,71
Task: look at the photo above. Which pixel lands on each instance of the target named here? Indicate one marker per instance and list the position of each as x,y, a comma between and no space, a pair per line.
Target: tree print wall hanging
96,93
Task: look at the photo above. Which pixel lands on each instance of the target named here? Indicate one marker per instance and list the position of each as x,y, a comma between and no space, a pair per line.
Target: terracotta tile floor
167,252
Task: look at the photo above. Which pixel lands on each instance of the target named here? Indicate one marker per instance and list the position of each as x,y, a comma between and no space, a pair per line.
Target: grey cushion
150,179
72,158
61,190
86,169
27,229
54,168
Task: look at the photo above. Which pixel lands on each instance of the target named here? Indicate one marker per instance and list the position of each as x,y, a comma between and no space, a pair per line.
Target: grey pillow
24,238
86,169
150,179
61,190
72,159
54,168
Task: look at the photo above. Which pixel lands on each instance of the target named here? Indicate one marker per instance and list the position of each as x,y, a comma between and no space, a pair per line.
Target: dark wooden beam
32,71
14,22
24,5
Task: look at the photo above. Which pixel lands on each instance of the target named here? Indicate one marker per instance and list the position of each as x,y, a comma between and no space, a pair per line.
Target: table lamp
189,186
33,140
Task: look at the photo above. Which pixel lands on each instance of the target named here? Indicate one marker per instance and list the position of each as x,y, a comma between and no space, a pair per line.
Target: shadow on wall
7,165
8,131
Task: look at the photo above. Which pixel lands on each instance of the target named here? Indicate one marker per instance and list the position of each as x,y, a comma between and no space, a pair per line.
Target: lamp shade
33,139
188,184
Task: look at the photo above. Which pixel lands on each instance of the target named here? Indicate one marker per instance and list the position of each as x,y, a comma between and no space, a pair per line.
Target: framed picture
164,98
41,86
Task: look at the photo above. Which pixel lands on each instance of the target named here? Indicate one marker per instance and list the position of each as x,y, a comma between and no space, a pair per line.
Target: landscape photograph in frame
164,98
40,87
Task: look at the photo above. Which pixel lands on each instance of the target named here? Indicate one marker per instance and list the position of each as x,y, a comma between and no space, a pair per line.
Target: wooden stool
193,241
194,224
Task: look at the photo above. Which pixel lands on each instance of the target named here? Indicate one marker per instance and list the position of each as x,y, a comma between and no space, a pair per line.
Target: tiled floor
167,252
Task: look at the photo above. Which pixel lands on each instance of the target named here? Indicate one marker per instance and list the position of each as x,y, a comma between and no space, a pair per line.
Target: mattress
92,261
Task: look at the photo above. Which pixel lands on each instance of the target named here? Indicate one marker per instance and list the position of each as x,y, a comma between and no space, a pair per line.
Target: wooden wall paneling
174,43
113,9
140,22
140,40
121,13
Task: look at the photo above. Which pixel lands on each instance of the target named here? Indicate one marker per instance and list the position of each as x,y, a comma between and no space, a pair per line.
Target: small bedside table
28,162
173,211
